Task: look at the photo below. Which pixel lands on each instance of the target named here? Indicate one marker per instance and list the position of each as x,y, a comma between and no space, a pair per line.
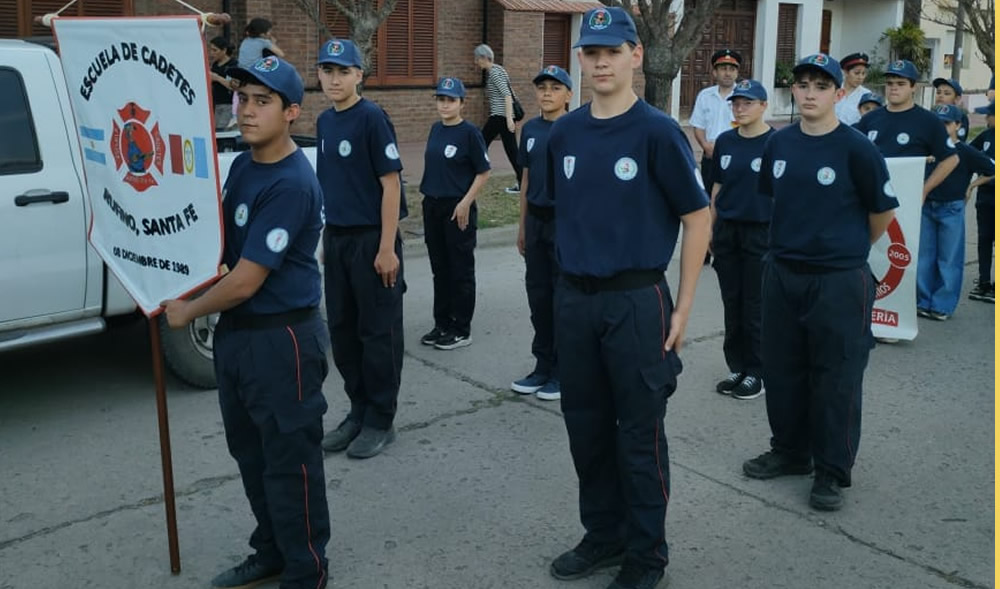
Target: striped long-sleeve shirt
497,87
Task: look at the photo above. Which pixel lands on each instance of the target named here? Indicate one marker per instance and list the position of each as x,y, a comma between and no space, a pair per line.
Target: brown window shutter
788,15
397,36
556,41
81,8
9,20
424,41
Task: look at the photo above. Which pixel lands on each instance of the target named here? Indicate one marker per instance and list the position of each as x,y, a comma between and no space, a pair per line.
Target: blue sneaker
550,391
529,384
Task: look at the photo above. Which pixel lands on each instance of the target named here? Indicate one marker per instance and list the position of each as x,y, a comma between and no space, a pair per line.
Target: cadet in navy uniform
947,91
941,262
740,218
869,101
358,167
536,234
623,179
456,167
832,200
270,342
985,142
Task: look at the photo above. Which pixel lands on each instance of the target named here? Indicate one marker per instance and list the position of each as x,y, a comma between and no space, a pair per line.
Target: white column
766,47
676,6
810,28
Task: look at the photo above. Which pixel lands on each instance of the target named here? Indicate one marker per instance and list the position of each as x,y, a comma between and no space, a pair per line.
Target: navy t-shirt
970,161
737,167
454,156
272,215
532,157
823,187
357,146
915,132
620,186
984,143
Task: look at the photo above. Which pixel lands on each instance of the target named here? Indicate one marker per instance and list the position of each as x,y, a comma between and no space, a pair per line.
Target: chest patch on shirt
450,151
826,176
961,132
950,143
903,138
755,164
277,239
778,169
529,144
391,151
569,164
724,161
241,215
626,168
872,135
887,189
344,149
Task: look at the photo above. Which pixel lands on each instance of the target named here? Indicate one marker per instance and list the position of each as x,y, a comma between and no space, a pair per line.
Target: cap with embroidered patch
948,82
275,73
554,72
726,56
948,112
986,110
607,27
450,87
821,62
340,52
852,60
870,97
751,89
903,68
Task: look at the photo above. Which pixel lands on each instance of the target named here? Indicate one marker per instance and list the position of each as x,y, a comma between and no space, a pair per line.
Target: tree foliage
977,19
363,20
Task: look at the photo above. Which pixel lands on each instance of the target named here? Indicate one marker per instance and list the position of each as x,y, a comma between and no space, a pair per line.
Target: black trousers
270,394
985,226
453,264
541,273
815,340
614,402
497,125
738,248
366,324
707,173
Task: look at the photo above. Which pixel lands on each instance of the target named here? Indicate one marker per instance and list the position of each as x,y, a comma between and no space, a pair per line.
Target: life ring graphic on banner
137,148
899,258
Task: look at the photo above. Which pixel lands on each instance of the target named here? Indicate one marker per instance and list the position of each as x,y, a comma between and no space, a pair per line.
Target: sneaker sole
606,563
454,346
334,448
799,470
548,396
251,584
824,505
748,397
523,390
376,450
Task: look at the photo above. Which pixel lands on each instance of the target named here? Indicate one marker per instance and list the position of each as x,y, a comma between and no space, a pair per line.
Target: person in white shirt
712,114
855,68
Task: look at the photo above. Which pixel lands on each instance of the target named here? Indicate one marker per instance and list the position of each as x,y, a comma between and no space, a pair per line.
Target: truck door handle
32,197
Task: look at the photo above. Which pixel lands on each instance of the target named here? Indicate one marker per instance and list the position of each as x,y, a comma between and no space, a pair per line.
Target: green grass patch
974,132
496,207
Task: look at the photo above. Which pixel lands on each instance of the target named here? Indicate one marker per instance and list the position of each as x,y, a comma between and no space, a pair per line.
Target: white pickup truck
53,285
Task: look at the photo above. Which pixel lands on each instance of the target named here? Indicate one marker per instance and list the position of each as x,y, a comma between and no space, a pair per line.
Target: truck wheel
188,351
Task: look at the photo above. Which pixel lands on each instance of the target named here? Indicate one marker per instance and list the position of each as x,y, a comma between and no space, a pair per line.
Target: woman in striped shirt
501,119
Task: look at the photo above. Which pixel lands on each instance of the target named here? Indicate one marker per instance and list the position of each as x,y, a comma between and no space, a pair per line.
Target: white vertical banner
139,89
893,258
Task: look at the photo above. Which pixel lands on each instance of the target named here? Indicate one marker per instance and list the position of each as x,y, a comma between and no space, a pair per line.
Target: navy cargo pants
738,248
270,377
366,323
541,273
614,399
815,340
452,253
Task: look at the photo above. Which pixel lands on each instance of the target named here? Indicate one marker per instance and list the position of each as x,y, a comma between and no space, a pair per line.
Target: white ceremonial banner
893,258
139,89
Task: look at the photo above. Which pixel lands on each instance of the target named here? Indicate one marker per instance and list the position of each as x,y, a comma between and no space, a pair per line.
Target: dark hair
912,82
809,73
257,27
285,103
222,43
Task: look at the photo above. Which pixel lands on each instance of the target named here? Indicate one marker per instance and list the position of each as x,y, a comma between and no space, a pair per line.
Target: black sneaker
938,316
340,438
249,573
826,494
515,189
452,340
921,312
637,576
982,292
431,337
773,464
750,387
586,558
370,442
726,385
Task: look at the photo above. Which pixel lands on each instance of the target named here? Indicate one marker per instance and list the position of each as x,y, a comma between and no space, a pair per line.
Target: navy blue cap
751,89
948,112
450,87
903,69
340,52
948,82
870,97
554,72
607,27
724,56
986,110
821,62
275,73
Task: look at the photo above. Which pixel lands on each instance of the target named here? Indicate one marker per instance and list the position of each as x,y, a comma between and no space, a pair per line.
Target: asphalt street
479,490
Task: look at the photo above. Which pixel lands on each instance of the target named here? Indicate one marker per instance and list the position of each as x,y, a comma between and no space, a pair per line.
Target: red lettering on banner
885,317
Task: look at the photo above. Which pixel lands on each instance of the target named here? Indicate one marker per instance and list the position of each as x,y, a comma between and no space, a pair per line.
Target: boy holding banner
270,342
832,200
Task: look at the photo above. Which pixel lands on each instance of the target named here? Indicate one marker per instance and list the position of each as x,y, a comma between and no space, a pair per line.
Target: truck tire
188,351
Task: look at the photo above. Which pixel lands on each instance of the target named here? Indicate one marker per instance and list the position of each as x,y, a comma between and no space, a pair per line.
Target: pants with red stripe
270,393
614,401
815,339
